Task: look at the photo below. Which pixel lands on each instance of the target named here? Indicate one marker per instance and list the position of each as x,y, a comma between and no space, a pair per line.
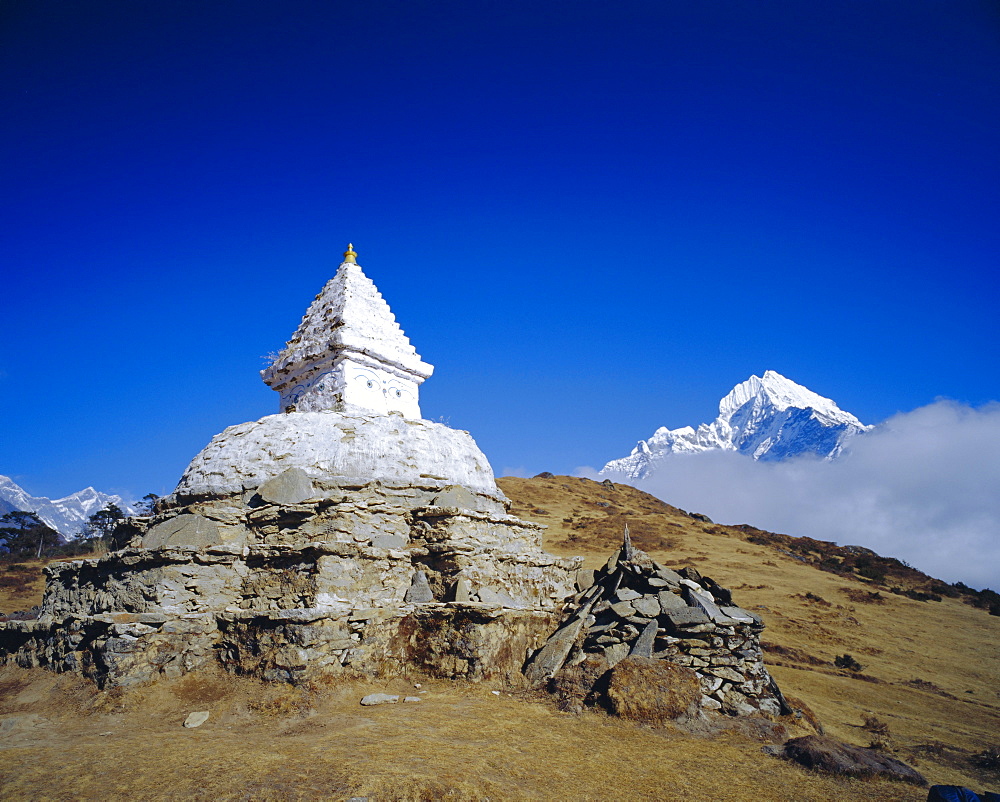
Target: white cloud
923,487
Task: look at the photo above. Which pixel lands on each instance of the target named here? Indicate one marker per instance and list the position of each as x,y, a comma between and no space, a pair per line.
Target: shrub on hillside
988,759
848,662
881,737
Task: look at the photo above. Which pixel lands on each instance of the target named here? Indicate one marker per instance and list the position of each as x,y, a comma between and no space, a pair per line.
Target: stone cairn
634,607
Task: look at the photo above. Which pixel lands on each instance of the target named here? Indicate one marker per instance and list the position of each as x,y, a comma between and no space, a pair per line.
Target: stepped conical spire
349,353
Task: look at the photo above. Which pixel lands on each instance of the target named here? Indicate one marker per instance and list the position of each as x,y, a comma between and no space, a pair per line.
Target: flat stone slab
373,699
183,530
457,496
489,596
696,599
584,578
643,645
687,616
741,615
288,487
623,609
670,601
665,573
389,541
648,606
553,654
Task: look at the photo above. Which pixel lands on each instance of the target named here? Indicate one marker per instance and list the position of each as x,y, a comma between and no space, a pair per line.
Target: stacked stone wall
635,607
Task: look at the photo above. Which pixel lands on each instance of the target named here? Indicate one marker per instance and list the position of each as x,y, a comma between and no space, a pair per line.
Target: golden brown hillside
929,672
930,669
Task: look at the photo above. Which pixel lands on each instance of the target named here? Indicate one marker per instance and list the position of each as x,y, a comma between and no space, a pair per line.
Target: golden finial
350,255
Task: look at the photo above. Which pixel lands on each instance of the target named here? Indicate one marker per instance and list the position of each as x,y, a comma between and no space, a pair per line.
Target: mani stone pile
637,608
344,534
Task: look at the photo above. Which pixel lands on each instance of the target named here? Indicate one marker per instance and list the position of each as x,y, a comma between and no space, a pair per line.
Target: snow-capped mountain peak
768,418
66,515
780,393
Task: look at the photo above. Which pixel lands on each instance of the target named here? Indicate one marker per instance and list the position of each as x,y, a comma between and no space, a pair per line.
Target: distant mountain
66,515
768,418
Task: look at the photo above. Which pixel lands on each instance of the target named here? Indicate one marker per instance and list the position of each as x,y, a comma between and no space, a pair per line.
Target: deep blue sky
593,218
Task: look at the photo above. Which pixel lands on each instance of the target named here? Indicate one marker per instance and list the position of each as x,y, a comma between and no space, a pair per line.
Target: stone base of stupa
452,640
308,573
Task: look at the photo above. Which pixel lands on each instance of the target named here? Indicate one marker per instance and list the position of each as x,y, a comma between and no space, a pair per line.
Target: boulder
827,754
574,684
653,691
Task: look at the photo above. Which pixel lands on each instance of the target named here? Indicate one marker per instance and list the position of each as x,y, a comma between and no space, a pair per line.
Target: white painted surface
349,354
331,444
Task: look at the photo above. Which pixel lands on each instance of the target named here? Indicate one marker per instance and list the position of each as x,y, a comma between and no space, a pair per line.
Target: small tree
102,523
147,505
24,534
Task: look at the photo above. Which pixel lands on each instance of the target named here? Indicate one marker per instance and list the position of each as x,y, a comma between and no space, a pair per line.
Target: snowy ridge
66,515
767,418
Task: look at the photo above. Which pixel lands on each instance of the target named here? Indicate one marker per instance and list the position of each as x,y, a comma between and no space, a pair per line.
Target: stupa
343,534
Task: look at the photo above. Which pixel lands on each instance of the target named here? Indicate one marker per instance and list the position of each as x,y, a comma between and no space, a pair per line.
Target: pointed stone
554,653
643,646
628,550
419,591
463,590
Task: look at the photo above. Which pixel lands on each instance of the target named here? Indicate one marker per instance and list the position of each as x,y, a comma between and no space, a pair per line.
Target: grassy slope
61,739
931,670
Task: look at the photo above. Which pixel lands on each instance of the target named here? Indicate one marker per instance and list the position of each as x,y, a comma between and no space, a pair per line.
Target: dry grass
933,666
931,669
461,743
21,585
